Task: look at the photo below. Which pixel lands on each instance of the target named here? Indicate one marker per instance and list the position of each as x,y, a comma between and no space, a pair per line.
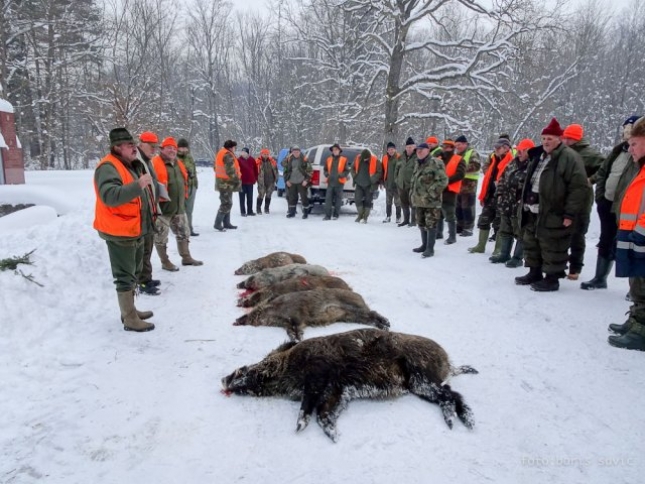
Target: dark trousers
608,229
146,268
292,196
246,199
549,252
466,210
363,197
448,206
578,243
489,216
126,259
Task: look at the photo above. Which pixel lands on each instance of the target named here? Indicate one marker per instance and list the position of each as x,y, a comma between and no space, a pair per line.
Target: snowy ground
83,401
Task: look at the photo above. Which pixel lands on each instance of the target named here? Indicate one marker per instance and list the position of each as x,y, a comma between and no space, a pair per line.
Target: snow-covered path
83,401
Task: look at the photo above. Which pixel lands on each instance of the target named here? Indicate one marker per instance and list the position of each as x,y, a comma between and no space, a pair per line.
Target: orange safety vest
357,164
341,166
259,161
632,208
451,169
123,220
501,167
220,168
386,161
630,248
162,173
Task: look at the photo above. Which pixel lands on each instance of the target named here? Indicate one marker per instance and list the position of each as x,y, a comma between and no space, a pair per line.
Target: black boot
439,229
534,275
227,222
452,233
634,339
621,328
218,222
432,236
305,212
258,206
291,212
550,283
267,202
424,242
505,245
398,214
599,281
518,255
406,217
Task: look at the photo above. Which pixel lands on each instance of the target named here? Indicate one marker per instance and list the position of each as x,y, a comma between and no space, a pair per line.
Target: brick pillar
12,160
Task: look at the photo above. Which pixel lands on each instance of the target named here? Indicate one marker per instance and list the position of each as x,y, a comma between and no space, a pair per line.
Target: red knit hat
553,128
433,139
148,137
169,141
574,132
525,144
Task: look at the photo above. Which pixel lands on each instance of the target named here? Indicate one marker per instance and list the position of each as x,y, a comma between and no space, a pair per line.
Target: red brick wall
12,160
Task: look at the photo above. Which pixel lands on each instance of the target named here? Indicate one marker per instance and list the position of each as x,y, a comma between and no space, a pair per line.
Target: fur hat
574,132
639,128
335,145
461,139
553,128
182,143
409,141
148,137
229,143
169,141
119,136
391,145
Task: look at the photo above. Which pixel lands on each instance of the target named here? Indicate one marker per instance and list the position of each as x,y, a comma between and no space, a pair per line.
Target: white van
318,155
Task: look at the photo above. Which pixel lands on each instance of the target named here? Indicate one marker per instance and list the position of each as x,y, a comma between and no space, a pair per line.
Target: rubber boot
413,217
129,317
622,328
424,241
550,283
305,212
366,214
634,339
480,248
599,281
218,222
518,255
432,236
406,217
184,252
267,202
166,265
534,275
452,233
398,214
227,222
440,229
291,212
258,206
359,217
503,244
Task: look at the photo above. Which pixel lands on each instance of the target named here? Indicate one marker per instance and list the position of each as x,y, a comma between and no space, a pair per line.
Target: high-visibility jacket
436,151
123,220
162,172
220,168
451,169
386,161
501,166
373,164
630,245
341,167
472,175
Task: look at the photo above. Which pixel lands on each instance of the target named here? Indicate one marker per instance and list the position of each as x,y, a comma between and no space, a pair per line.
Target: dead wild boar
327,372
320,307
295,284
275,259
266,277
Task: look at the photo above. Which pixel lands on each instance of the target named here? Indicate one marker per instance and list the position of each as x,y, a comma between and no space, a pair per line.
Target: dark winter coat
593,161
248,169
510,186
562,190
405,169
600,177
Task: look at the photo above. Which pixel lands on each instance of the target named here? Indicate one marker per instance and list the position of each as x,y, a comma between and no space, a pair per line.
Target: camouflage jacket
405,169
234,182
509,187
302,164
189,163
593,161
267,173
428,183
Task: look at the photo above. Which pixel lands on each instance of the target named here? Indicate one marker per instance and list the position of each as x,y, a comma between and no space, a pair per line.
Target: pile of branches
12,264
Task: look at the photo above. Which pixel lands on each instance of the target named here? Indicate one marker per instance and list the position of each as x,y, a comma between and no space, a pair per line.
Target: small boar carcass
327,372
320,307
275,259
295,284
266,277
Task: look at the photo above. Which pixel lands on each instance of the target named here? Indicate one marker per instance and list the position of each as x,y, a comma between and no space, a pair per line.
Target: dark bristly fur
296,284
326,373
320,307
266,277
275,259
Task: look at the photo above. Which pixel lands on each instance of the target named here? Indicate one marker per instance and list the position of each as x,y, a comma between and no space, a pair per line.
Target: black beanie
182,143
409,141
119,136
391,145
461,139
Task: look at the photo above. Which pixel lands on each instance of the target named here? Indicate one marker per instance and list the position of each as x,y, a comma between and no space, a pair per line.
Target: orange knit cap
448,142
264,151
169,141
148,137
433,139
525,144
574,132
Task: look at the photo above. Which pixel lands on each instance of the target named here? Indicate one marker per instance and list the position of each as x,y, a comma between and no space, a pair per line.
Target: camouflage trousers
225,201
428,218
177,223
467,205
549,252
126,260
510,226
265,192
489,216
392,196
363,197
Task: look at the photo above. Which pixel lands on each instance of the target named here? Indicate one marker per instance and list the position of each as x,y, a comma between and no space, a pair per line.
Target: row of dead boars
327,372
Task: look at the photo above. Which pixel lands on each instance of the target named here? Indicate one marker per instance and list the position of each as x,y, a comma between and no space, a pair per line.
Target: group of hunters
535,203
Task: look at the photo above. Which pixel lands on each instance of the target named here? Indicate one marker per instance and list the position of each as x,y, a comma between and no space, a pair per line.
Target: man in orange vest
228,179
366,175
173,176
630,248
467,198
456,170
488,217
336,170
390,165
123,216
